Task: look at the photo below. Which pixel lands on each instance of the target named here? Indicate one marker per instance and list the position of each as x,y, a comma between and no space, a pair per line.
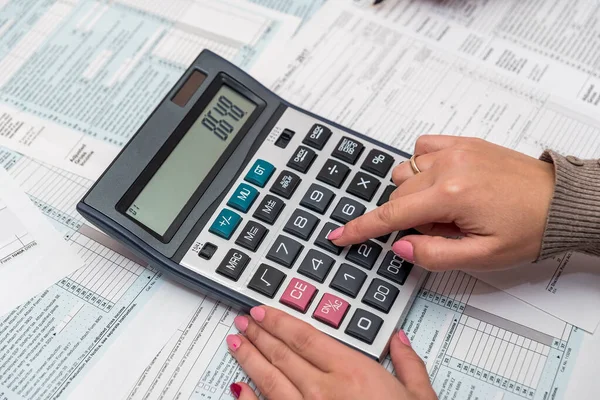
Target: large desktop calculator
232,191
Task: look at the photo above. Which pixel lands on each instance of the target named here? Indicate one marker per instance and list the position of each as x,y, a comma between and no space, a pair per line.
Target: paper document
360,67
474,339
75,71
303,9
33,256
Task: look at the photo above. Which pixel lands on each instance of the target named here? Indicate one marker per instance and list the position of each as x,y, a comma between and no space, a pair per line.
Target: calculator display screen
168,191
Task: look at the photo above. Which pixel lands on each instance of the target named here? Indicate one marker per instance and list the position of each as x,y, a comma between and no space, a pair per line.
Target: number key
301,224
317,198
364,326
395,268
381,295
347,210
364,254
316,265
284,251
348,280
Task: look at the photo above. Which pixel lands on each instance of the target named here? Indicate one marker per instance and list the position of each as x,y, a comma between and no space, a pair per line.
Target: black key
378,163
284,251
317,198
348,150
326,244
316,265
269,209
302,159
364,326
301,224
233,264
333,173
407,232
207,251
266,280
347,210
318,136
364,254
381,295
286,184
363,186
395,268
385,196
384,238
348,280
252,235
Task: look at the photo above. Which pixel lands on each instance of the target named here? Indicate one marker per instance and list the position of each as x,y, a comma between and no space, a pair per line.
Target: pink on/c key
298,295
331,310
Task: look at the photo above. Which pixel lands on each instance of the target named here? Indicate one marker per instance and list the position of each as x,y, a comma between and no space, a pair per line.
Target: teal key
225,224
243,198
260,173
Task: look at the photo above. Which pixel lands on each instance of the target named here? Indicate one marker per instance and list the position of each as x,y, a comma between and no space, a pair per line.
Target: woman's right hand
479,206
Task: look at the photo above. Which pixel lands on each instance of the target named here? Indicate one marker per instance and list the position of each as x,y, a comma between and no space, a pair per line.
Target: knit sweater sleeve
573,222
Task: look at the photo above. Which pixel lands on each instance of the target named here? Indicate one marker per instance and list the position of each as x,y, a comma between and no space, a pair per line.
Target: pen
377,1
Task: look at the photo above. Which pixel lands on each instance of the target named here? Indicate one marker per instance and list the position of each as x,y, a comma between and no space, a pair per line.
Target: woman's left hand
290,360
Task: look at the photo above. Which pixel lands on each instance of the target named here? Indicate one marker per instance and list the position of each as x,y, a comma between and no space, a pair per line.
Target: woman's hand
494,199
290,360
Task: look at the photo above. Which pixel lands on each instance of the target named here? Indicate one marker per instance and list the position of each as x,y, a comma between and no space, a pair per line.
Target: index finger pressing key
314,346
406,212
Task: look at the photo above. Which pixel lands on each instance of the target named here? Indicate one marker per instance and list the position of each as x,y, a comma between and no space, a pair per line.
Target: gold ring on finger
413,165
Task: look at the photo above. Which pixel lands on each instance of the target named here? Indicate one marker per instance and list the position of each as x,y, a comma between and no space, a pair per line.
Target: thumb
438,253
410,368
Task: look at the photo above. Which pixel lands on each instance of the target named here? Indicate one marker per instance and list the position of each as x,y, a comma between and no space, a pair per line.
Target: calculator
232,191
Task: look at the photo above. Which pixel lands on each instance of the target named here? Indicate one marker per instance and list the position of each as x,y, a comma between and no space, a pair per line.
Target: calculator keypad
268,238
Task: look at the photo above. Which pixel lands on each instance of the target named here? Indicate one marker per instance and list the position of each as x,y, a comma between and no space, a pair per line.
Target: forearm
573,222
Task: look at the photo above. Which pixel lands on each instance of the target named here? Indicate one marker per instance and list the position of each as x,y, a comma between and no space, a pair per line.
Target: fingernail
404,249
403,338
236,390
241,323
336,234
258,313
233,342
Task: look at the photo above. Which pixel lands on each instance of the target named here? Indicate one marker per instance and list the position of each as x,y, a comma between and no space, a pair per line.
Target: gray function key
348,280
364,326
316,265
284,251
325,243
347,210
378,163
395,268
266,280
333,173
364,254
318,136
381,295
286,184
269,209
317,198
302,159
301,224
363,186
252,235
348,150
233,264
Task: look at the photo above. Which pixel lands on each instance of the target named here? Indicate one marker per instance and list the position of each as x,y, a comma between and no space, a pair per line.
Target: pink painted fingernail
404,249
336,234
233,342
258,313
236,390
403,338
241,323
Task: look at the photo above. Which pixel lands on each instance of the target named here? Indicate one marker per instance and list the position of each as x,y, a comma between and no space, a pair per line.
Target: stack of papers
79,78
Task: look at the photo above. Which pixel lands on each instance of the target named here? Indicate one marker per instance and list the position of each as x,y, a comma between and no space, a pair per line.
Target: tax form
372,70
32,254
77,71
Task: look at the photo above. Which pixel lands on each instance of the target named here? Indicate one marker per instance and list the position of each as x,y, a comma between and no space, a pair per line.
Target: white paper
33,256
360,67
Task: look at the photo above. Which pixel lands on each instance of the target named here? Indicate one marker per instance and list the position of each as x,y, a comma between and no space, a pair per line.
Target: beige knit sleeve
574,218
